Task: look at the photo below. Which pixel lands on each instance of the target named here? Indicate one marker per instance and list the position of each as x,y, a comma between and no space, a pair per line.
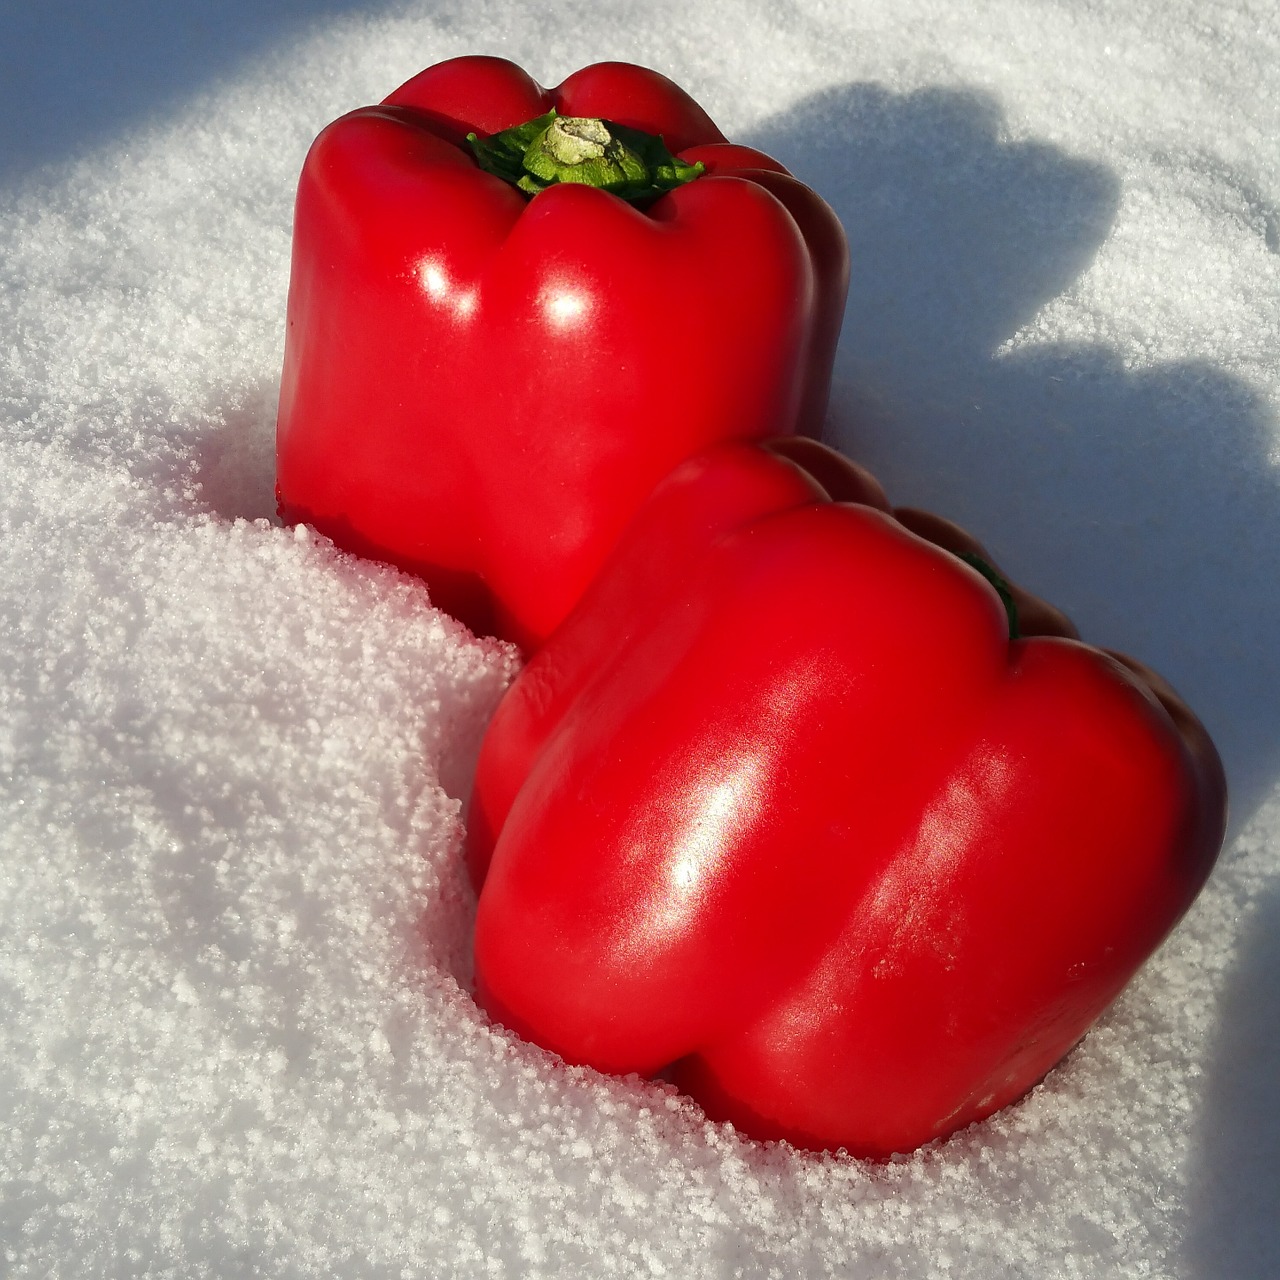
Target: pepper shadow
231,454
1235,1194
1144,503
72,75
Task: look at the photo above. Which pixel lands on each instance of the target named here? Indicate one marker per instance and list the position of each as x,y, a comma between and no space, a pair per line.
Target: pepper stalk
599,153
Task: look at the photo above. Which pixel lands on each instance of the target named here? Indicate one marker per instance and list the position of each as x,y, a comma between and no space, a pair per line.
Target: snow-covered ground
233,927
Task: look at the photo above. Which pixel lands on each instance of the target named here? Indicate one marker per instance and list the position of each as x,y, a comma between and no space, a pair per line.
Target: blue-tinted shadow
73,74
1144,502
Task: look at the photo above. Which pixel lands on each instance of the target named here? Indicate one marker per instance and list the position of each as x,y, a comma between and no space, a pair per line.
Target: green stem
597,153
1003,590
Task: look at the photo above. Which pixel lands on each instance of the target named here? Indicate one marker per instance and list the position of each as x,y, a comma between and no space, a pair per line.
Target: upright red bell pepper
852,837
482,384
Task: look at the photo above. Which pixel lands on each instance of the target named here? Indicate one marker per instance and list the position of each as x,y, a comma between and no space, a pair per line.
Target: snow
233,962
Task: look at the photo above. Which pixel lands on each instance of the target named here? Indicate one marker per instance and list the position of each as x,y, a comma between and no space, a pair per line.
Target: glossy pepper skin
784,810
481,387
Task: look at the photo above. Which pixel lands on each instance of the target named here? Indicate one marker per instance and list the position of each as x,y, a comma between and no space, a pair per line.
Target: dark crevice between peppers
592,152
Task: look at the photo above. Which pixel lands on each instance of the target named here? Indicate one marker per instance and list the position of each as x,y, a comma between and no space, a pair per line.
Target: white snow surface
237,1035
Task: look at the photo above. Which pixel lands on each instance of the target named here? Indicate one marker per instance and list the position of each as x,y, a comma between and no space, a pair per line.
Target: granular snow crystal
234,961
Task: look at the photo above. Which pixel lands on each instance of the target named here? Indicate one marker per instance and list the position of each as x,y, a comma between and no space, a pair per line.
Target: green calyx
596,153
1003,590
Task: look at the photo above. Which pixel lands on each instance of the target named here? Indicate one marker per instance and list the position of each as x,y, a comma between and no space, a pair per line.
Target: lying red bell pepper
498,344
786,810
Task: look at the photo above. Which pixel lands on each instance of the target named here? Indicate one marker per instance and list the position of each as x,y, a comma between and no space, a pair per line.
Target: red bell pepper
786,811
481,384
